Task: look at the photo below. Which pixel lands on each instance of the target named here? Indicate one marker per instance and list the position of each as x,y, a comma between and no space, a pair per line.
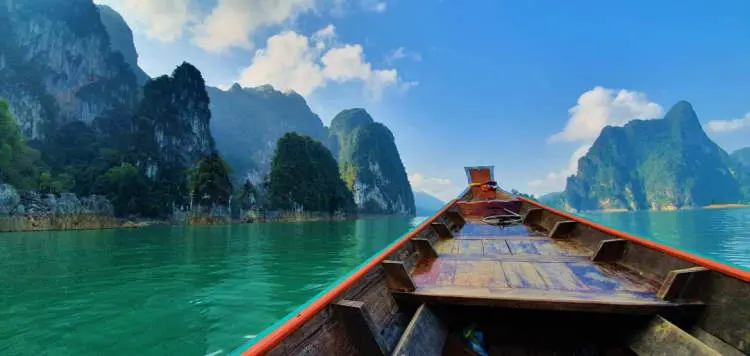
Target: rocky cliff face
121,40
172,123
371,165
247,122
741,160
653,164
56,65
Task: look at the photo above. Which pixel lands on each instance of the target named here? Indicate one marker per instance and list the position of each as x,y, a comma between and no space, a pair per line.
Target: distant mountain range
426,204
662,164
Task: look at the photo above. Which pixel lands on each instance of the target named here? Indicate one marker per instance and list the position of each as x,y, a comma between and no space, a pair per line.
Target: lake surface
204,290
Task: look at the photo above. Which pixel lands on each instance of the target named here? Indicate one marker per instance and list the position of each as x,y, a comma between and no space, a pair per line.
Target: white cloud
594,110
722,126
555,181
291,61
162,20
440,187
232,23
601,107
379,7
401,53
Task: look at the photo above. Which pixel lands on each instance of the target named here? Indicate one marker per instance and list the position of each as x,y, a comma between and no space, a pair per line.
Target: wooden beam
425,335
456,217
715,343
360,327
442,230
397,276
660,337
533,216
425,248
610,250
681,283
562,229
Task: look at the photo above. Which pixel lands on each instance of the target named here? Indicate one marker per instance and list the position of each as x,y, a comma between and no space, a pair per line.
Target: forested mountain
247,122
371,165
667,163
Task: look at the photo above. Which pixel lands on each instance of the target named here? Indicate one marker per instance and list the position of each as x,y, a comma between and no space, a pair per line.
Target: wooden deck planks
523,275
493,266
521,247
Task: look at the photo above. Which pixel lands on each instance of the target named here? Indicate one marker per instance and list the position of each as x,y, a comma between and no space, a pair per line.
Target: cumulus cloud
442,188
379,7
601,107
401,53
162,20
291,61
723,126
595,109
233,22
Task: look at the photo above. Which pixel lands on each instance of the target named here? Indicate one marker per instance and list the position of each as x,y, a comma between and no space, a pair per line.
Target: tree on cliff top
17,160
305,174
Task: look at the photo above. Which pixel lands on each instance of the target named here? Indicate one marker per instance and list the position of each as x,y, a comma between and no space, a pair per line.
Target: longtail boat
497,274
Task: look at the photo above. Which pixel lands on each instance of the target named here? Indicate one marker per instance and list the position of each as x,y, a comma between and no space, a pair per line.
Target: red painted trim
282,332
713,265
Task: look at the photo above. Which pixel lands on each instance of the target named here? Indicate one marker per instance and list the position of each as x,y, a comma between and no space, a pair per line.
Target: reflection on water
722,235
170,290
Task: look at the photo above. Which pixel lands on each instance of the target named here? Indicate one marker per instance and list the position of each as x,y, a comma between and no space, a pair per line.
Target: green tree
305,174
209,182
17,160
126,188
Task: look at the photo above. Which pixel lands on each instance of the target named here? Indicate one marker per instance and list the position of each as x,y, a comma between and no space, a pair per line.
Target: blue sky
525,85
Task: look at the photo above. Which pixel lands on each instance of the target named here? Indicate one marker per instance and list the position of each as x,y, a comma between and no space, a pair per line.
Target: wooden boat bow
547,273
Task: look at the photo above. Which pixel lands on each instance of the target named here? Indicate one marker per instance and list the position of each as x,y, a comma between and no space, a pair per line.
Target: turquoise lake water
206,290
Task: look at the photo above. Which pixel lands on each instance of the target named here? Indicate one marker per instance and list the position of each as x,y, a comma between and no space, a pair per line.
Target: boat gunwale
671,251
273,335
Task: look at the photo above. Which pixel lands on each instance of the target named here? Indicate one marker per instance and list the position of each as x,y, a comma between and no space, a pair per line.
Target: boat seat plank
560,276
425,335
678,283
660,337
360,327
425,248
446,247
485,230
562,229
610,250
397,277
549,247
442,230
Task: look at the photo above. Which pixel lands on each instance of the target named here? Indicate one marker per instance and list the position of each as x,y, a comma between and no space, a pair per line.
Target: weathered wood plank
360,327
560,276
397,276
610,250
562,229
425,335
521,247
681,283
470,248
479,274
662,338
425,248
523,275
549,247
715,343
442,230
493,248
447,272
532,216
446,246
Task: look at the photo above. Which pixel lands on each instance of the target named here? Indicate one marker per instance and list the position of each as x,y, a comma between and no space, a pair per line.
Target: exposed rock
371,165
121,40
9,199
56,65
